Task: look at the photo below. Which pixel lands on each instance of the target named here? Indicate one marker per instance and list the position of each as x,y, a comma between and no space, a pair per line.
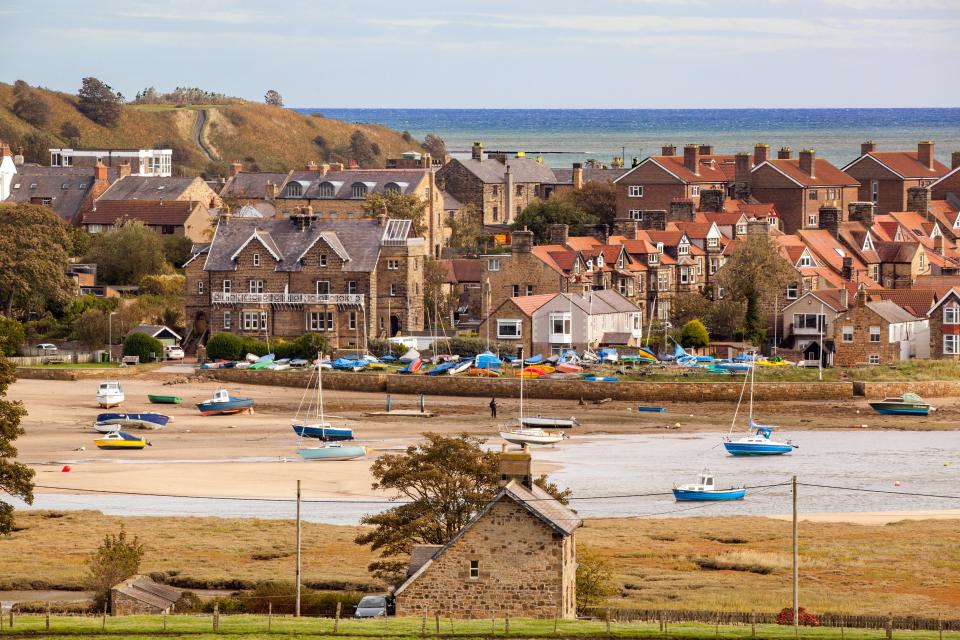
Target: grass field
259,626
702,563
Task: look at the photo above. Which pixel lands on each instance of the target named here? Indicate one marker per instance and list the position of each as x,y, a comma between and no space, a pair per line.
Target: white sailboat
327,451
758,440
524,434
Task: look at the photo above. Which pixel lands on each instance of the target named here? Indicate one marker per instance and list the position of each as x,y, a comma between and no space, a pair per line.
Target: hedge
146,347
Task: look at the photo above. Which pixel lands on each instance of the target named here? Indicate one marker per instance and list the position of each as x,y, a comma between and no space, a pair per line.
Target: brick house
140,595
878,332
944,319
346,279
808,323
516,557
949,184
519,273
174,217
498,186
511,322
798,187
885,177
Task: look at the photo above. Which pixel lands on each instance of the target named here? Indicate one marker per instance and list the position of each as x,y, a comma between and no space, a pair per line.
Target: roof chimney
516,465
476,152
124,169
760,152
867,147
18,158
5,150
236,167
955,159
706,149
559,234
691,158
311,166
521,241
742,167
784,153
577,176
808,160
668,150
925,154
100,172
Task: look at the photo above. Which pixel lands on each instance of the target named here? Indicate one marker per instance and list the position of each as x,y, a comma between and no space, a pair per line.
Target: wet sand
255,455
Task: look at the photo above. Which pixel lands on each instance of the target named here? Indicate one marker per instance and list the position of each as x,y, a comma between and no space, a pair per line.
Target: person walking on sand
493,407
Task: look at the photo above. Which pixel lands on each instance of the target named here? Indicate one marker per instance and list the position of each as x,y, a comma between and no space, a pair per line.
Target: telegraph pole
297,613
796,561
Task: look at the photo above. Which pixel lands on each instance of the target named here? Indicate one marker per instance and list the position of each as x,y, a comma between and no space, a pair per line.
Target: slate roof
896,251
615,338
824,173
891,311
154,330
67,187
144,589
492,171
251,184
342,181
359,239
150,212
450,203
590,174
148,188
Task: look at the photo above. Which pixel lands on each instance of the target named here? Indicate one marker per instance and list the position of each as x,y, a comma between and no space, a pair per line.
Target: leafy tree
11,336
598,199
399,206
92,329
435,298
177,249
70,131
127,253
435,145
726,316
170,286
686,306
755,273
225,346
145,346
273,98
15,479
694,334
406,136
466,229
80,240
34,247
594,580
29,105
36,147
538,216
361,149
116,559
447,480
99,102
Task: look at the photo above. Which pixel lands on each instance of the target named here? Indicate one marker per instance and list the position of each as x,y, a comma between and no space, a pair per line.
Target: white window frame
637,214
200,287
474,569
713,242
683,249
352,321
875,333
227,320
951,344
493,264
323,259
563,318
529,290
503,323
684,275
874,191
805,262
255,286
846,335
227,286
635,191
256,259
873,358
695,191
393,265
793,292
351,286
812,220
325,290
951,314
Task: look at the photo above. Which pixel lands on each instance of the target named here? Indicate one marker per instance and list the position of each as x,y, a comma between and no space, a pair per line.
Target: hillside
271,138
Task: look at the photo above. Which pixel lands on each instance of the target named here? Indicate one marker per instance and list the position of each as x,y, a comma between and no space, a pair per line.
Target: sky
500,53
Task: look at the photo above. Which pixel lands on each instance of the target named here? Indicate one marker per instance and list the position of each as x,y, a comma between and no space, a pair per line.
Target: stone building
517,556
518,273
944,320
879,332
885,177
346,279
141,595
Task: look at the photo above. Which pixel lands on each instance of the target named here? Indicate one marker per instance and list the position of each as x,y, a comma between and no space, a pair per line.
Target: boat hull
135,420
219,408
332,453
752,449
110,400
516,438
157,399
327,434
686,495
899,410
556,423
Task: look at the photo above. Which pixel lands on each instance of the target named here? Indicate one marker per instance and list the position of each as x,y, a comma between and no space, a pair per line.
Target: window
635,191
808,321
714,265
256,259
326,190
813,195
393,289
320,321
637,214
393,265
695,191
874,191
873,358
923,262
951,344
833,194
508,329
663,281
323,287
256,286
560,324
251,320
294,190
874,334
351,286
741,229
812,220
792,292
474,569
683,249
226,319
951,314
713,242
227,286
847,334
516,291
519,189
391,188
200,287
323,259
493,264
684,275
358,190
352,320
496,191
496,214
519,210
167,229
806,261
529,289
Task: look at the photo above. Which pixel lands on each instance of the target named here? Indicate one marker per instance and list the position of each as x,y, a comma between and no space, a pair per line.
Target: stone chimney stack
829,219
516,466
477,151
742,168
918,199
18,157
577,176
270,193
559,234
124,169
760,152
862,212
521,241
955,159
602,233
5,150
712,200
691,158
785,153
626,227
508,195
681,210
925,153
808,162
668,150
706,149
846,271
844,299
868,147
311,166
235,167
324,169
938,245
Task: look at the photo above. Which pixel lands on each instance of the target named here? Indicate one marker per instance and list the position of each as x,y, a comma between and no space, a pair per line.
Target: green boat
158,399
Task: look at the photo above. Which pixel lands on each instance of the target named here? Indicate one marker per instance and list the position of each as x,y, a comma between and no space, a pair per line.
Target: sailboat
327,451
758,440
529,434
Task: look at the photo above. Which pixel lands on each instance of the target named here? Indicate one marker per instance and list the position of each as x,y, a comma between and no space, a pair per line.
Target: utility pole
297,613
796,561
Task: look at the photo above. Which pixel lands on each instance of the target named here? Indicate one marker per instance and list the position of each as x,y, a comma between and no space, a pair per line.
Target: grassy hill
266,137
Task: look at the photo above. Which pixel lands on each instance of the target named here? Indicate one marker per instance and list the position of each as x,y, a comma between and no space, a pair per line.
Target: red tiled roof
939,284
916,301
711,168
824,173
896,251
546,253
467,269
906,164
529,304
758,210
726,219
582,243
150,212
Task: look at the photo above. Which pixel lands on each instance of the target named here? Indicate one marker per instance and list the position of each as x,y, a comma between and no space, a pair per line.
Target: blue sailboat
704,490
325,432
315,423
758,441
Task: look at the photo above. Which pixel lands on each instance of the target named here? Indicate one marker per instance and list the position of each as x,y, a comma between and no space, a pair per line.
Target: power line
895,493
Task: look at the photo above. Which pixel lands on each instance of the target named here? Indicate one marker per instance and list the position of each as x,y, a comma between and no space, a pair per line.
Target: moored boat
531,435
162,399
413,367
322,431
758,441
319,428
332,452
705,490
909,404
145,420
121,440
110,394
223,403
542,422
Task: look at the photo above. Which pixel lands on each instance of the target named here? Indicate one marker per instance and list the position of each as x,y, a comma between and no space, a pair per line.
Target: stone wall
123,605
37,373
849,354
925,389
520,561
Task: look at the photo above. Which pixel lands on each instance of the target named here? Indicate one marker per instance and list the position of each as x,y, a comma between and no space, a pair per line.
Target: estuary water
597,467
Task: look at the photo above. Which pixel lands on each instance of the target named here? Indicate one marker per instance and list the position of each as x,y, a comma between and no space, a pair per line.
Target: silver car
371,607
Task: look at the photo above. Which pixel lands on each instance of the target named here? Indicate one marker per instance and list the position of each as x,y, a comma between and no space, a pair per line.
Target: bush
467,346
379,347
225,346
167,286
12,335
807,619
116,559
694,334
30,106
282,597
92,329
306,346
44,329
70,131
254,346
98,102
140,344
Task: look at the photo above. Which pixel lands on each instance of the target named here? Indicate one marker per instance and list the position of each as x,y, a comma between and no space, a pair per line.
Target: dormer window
806,261
653,258
713,242
326,190
600,261
659,247
683,249
391,189
576,267
358,190
590,264
294,190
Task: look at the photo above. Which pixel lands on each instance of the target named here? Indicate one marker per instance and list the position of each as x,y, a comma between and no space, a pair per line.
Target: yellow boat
483,373
121,440
772,363
377,366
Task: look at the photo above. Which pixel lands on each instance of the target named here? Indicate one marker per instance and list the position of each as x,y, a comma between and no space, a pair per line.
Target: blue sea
564,136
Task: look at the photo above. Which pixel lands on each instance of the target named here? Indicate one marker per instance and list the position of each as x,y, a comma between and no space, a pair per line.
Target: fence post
47,624
164,620
493,626
104,625
939,622
216,617
336,618
843,620
436,616
269,615
608,620
506,624
889,626
11,618
556,617
753,623
423,626
717,632
451,624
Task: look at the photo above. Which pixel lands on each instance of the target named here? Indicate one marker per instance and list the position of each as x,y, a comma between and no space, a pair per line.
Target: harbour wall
540,389
53,373
925,389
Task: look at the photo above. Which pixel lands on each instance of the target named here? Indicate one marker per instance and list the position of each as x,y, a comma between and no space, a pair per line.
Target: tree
29,105
273,98
447,480
225,346
598,199
98,102
92,329
726,316
34,247
127,253
686,306
116,559
594,580
361,149
80,240
177,249
36,147
538,216
694,334
146,347
436,301
11,336
399,206
15,479
435,145
70,131
465,229
755,273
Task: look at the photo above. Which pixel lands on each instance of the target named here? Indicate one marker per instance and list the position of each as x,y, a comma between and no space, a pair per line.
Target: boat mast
521,387
320,387
753,379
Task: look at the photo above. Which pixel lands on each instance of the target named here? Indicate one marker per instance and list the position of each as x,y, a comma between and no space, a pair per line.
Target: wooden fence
64,356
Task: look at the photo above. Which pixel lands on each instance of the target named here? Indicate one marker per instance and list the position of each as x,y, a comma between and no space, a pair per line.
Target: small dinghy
758,441
314,426
544,422
704,490
223,403
110,394
161,399
121,440
460,367
567,367
410,356
909,404
146,420
332,452
443,367
413,367
349,364
531,435
323,431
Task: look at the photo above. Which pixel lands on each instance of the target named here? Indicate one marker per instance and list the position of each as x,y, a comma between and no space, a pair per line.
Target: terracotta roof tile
824,173
529,304
906,164
150,212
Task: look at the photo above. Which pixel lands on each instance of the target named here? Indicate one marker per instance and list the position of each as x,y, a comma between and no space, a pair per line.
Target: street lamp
110,339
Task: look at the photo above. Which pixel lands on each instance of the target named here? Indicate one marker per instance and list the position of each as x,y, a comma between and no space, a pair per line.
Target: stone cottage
517,557
139,594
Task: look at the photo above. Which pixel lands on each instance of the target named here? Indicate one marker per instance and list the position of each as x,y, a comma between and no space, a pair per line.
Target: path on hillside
198,135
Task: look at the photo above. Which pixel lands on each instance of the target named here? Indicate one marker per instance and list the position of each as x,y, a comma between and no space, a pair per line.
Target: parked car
46,348
373,607
173,352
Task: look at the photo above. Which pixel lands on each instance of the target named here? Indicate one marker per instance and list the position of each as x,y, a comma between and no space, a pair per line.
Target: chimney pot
784,153
925,153
706,149
955,159
668,150
577,176
691,158
236,167
868,147
760,152
477,151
